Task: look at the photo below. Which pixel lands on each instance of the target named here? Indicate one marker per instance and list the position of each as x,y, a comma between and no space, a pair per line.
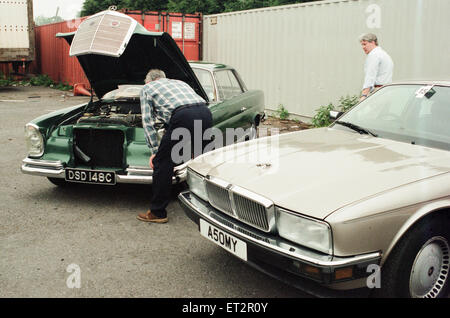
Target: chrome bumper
272,247
135,175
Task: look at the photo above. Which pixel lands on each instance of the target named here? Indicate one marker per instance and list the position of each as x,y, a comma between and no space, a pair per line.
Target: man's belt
187,106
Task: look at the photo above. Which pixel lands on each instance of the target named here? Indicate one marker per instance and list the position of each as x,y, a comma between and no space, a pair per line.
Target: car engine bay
125,113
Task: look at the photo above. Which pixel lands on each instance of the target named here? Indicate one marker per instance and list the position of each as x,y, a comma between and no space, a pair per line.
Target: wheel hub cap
430,269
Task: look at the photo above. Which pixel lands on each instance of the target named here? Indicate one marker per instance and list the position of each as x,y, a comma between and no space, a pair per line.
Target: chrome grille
253,235
237,202
219,197
102,34
251,212
229,224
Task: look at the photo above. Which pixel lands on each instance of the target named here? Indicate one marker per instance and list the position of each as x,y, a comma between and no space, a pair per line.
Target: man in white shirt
378,67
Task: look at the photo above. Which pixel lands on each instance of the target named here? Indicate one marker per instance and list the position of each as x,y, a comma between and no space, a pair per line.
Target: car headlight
305,231
34,140
197,184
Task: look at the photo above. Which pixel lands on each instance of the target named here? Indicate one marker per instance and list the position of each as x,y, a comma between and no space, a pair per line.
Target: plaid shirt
158,99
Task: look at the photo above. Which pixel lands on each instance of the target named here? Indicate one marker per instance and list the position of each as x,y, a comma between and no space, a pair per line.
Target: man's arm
370,76
148,122
365,92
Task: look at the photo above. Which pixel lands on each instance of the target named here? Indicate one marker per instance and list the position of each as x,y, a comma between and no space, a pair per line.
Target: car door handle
243,109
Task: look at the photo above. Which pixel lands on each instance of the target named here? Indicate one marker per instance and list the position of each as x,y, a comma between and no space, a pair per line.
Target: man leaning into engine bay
176,105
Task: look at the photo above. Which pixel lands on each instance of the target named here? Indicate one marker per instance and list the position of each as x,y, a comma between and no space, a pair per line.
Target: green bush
322,117
39,80
348,102
64,86
282,112
6,82
42,80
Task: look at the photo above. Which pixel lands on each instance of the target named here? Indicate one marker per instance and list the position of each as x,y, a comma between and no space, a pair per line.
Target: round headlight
34,141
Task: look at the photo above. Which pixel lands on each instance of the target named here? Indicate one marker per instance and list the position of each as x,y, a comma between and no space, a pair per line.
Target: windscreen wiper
357,128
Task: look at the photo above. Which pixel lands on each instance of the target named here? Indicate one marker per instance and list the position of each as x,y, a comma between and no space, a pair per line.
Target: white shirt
378,68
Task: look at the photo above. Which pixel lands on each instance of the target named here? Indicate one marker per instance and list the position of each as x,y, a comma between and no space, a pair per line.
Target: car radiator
98,147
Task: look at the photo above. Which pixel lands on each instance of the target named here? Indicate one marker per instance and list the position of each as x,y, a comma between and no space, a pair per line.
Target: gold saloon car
364,203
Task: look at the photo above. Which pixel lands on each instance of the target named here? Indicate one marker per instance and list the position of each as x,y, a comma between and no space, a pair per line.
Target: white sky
67,8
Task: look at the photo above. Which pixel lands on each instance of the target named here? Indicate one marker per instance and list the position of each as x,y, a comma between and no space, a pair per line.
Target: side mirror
334,114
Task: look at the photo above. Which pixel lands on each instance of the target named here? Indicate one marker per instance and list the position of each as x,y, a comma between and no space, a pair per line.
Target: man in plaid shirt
176,105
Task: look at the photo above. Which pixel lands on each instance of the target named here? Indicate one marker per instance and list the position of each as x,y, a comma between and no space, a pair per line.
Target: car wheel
419,265
59,182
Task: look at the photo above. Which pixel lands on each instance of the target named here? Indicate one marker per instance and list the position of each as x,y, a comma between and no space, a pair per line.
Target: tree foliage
185,6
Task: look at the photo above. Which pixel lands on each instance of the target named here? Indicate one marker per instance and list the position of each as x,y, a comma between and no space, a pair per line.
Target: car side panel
378,224
239,111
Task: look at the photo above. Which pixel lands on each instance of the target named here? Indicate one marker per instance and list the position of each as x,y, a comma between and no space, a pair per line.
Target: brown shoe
149,217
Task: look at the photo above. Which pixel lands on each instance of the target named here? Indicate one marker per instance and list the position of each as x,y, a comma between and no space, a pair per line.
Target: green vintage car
103,141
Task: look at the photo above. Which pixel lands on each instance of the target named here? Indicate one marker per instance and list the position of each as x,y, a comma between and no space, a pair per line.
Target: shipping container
16,34
53,53
185,29
307,55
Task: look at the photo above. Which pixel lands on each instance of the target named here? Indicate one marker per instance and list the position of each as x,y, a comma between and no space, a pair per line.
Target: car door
233,101
229,101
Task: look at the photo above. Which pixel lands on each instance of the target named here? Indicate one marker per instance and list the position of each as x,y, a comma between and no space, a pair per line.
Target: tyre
58,182
418,267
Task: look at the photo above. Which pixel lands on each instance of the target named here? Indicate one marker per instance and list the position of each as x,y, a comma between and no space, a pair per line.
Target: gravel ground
44,229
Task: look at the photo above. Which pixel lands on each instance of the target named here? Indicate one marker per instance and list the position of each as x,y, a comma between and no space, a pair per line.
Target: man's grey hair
369,37
154,74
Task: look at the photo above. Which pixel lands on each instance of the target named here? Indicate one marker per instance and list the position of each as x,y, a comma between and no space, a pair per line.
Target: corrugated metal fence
52,54
307,55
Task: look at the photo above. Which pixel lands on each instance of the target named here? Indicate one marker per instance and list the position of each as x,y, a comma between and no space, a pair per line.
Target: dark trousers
163,163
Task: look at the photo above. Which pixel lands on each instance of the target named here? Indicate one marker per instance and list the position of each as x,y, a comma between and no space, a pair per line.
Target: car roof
422,82
208,65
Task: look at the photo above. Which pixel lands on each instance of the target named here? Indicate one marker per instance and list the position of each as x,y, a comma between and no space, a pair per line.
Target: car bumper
135,175
293,264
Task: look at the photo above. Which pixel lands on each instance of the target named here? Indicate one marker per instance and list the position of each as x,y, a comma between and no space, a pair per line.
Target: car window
234,84
206,80
401,113
389,104
227,84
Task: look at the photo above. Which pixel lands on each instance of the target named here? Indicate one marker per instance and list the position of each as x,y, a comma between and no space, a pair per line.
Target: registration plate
91,176
230,243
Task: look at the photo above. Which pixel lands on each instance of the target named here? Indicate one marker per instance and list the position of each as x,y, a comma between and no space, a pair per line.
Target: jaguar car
360,206
103,141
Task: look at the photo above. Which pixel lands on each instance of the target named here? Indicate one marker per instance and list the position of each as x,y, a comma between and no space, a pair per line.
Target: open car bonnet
113,49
